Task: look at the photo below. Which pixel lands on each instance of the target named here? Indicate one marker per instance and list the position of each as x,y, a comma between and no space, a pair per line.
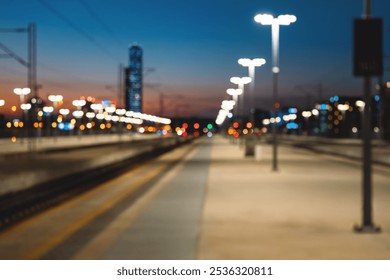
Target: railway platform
208,201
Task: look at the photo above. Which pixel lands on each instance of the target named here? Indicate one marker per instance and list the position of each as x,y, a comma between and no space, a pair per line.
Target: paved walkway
304,211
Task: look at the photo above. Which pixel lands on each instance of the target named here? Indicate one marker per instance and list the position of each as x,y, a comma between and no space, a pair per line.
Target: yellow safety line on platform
88,217
65,233
95,248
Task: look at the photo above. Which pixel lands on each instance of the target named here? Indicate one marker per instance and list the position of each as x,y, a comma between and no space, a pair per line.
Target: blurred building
344,117
133,80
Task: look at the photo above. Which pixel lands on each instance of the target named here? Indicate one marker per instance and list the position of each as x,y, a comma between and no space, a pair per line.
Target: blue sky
193,47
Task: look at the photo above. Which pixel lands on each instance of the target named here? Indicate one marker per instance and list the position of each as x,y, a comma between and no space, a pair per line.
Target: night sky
190,49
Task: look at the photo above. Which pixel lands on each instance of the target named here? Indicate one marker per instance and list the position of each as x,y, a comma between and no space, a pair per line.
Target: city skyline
190,49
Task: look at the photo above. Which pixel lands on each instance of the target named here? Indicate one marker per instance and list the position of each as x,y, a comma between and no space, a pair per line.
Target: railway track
16,206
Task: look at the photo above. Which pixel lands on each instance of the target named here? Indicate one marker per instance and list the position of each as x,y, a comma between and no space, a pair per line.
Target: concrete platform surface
306,210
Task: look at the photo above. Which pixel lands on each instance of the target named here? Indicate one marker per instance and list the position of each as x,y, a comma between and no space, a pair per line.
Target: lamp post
315,112
251,64
120,113
78,114
307,115
55,99
234,92
78,103
240,82
63,116
343,108
48,110
109,110
360,104
64,112
22,92
266,19
25,107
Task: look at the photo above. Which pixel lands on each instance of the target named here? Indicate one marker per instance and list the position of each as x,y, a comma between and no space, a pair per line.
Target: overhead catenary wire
78,29
101,22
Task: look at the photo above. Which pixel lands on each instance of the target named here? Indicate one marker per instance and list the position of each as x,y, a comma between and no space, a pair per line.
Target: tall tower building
133,82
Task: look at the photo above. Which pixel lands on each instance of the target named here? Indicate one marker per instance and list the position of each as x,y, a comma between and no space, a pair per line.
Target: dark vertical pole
32,59
367,224
367,130
367,8
32,80
30,55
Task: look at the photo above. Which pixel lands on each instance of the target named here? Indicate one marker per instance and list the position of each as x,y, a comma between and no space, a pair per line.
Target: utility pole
32,59
30,64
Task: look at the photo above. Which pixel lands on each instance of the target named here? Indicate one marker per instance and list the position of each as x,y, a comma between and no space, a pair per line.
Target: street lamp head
256,62
343,107
78,114
90,115
55,98
64,111
235,80
244,62
240,80
22,91
264,19
234,91
315,112
78,103
246,80
97,107
2,102
25,107
228,105
110,109
286,19
120,112
360,104
306,114
48,109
